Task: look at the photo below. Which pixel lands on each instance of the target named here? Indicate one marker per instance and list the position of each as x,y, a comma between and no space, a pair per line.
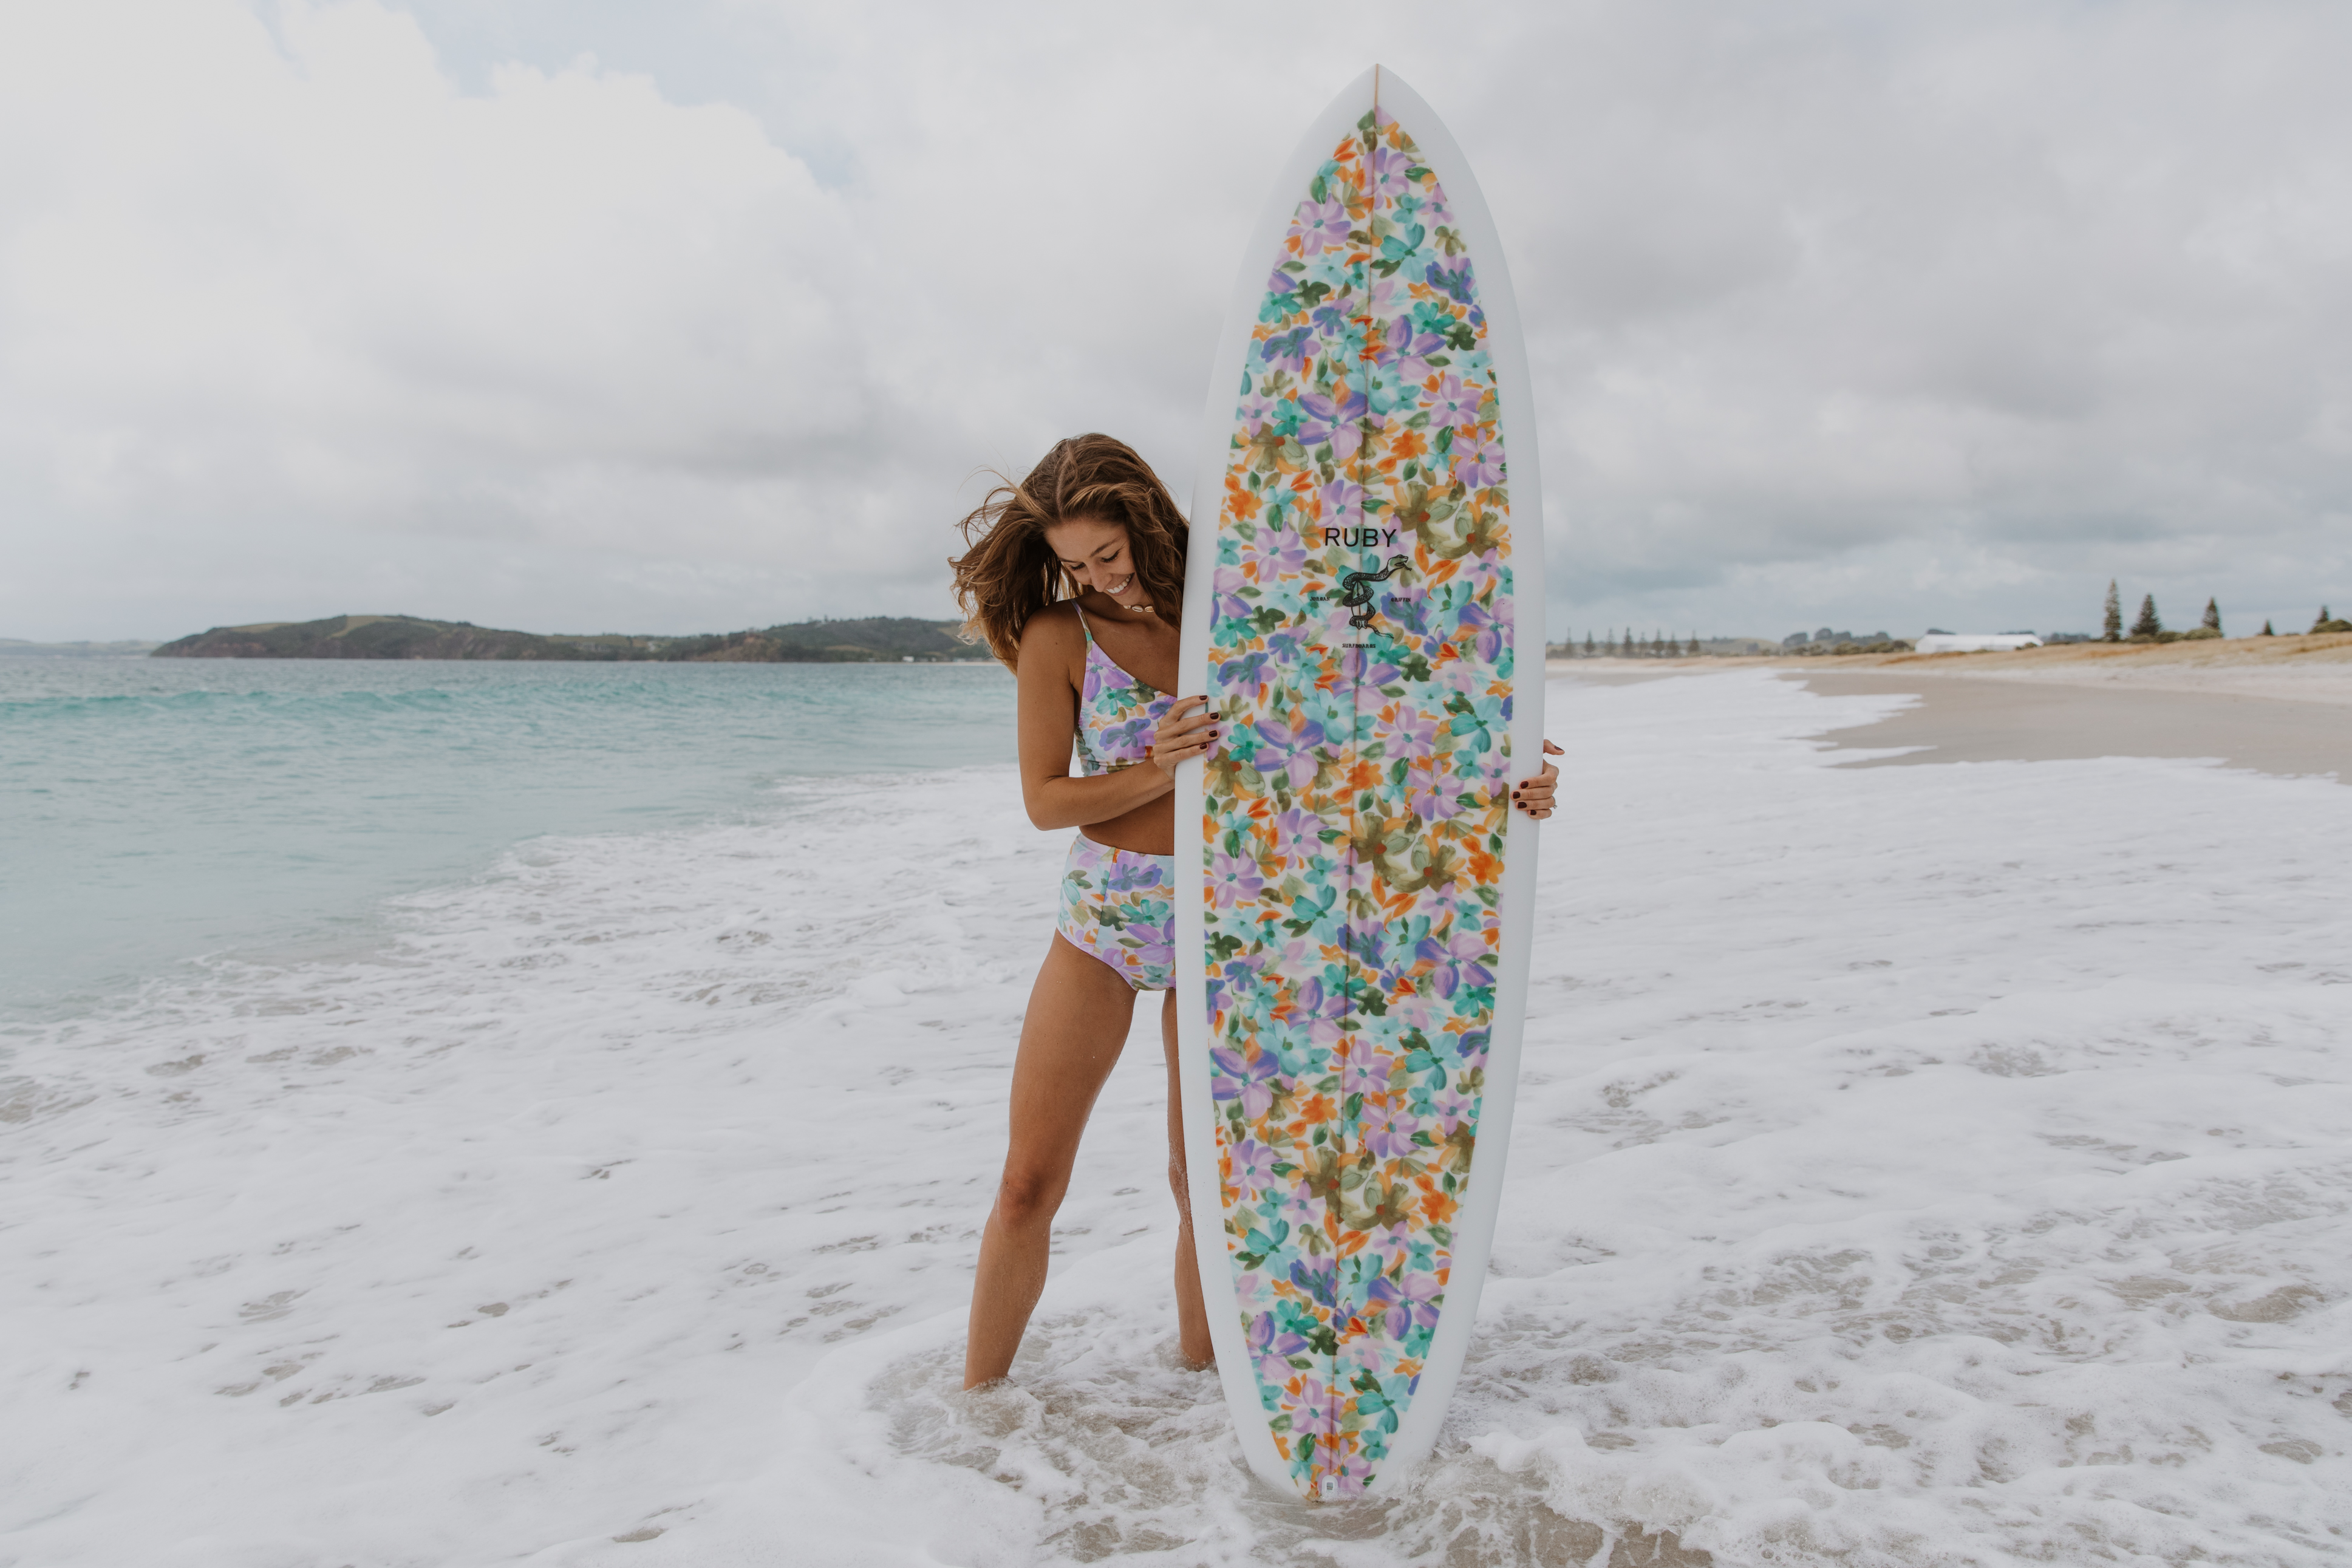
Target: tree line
2148,626
1660,645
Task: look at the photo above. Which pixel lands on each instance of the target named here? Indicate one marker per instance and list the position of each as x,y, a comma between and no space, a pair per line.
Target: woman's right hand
1184,732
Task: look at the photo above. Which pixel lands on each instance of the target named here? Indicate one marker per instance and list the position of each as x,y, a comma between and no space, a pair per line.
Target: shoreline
2310,668
2273,705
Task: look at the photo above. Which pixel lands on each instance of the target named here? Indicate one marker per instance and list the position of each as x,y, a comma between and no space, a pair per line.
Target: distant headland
873,639
19,645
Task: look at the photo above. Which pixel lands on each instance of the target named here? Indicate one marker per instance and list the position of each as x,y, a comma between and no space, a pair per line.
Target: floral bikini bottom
1117,905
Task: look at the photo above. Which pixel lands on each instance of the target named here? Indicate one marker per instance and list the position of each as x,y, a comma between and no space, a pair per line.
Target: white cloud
299,284
1872,314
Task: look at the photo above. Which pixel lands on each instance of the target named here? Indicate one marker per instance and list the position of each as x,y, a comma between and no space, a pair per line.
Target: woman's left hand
1534,795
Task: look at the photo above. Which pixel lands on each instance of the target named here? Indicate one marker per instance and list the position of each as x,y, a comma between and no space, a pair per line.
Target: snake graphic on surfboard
1364,613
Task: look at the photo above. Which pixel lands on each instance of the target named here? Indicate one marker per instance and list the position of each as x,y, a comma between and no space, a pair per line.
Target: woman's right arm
1051,647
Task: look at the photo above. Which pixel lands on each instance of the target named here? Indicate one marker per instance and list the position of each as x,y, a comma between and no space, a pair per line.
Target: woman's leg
1078,1014
1191,1317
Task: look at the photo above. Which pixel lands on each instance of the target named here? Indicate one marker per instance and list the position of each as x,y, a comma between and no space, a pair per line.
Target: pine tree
1629,642
2113,622
2321,624
2266,630
1587,642
2213,621
2147,625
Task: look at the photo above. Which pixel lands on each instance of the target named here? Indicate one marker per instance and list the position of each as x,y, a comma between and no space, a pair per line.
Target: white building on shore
1975,642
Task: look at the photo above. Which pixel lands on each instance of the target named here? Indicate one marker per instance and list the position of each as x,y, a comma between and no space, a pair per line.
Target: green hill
873,639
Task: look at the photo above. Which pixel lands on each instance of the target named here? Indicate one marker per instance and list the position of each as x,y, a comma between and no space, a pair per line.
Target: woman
1095,669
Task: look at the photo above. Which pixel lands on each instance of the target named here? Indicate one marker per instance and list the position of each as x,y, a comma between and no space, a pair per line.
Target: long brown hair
1009,572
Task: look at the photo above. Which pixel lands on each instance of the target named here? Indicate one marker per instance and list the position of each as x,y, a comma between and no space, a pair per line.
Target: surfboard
1363,608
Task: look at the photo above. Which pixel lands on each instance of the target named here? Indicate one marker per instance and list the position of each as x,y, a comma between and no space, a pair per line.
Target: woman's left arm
1534,795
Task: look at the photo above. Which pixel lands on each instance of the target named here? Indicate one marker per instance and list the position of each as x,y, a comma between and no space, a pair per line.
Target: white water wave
1917,1166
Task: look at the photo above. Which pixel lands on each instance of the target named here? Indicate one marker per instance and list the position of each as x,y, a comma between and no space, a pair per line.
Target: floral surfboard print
1363,609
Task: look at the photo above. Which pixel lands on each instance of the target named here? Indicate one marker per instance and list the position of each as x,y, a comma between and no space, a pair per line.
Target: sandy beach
2276,705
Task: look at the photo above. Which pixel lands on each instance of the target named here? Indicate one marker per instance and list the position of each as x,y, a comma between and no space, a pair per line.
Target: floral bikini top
1117,713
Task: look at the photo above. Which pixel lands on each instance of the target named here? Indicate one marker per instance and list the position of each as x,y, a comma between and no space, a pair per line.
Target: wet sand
2274,705
1964,720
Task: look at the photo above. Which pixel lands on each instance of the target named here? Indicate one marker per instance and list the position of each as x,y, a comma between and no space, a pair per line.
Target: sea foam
1913,1165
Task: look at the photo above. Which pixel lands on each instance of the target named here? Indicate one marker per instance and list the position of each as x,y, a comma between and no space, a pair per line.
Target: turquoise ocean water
154,812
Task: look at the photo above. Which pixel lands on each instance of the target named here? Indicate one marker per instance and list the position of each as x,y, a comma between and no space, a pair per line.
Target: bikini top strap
1084,624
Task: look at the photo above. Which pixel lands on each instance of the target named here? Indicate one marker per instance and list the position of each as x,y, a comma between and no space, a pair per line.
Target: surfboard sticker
1361,649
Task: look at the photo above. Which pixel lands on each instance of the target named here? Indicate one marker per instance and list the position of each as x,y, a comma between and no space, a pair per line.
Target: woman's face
1095,554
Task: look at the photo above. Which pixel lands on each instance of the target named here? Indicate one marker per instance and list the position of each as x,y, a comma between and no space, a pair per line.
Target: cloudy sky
606,314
